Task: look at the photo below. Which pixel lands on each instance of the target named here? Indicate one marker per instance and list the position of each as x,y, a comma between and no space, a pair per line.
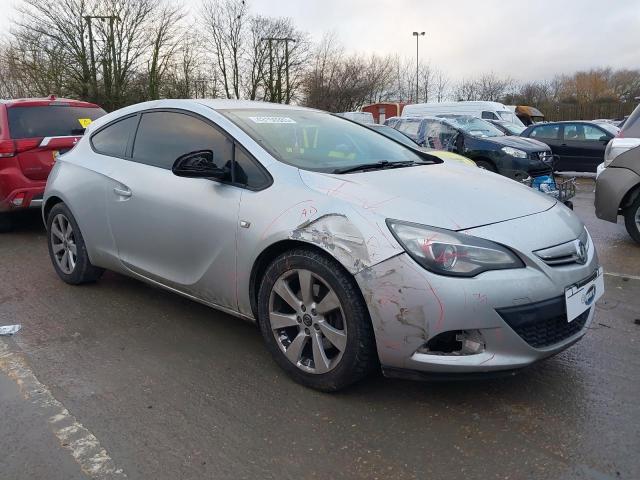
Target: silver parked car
351,250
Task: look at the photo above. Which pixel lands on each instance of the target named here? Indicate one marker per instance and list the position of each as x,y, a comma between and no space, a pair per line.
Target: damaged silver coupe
353,252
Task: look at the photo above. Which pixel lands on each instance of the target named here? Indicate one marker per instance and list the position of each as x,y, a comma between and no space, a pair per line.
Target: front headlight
514,152
451,253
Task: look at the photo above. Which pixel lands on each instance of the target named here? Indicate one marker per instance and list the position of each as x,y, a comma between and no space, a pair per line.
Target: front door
583,145
178,231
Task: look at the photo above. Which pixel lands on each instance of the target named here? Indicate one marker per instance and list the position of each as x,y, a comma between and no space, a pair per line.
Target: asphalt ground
123,380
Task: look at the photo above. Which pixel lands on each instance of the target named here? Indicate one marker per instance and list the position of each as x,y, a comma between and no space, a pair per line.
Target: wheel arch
629,197
482,158
270,253
49,204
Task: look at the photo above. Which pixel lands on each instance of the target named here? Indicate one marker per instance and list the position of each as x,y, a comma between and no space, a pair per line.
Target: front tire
632,219
67,249
314,321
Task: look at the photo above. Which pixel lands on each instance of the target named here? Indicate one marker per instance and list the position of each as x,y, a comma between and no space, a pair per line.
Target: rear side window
164,136
631,128
546,131
113,139
50,120
489,115
578,131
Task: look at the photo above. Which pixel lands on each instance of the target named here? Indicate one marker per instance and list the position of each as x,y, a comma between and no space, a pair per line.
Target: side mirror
605,138
199,164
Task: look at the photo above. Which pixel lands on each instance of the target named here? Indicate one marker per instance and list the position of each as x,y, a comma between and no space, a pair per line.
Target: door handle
122,192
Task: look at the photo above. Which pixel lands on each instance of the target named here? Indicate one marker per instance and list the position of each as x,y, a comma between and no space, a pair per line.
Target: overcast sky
523,39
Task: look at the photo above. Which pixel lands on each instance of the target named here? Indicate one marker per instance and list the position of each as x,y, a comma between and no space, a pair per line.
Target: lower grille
543,324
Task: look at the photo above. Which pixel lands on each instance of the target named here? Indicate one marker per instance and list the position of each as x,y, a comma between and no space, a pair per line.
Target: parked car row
514,157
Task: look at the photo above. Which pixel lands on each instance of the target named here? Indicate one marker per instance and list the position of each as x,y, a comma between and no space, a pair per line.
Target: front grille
574,251
543,324
544,168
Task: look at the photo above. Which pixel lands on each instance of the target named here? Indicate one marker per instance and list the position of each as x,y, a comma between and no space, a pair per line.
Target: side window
546,131
439,135
164,136
593,133
113,139
490,115
247,172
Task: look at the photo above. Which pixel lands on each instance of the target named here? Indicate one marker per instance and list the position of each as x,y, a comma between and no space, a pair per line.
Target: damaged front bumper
498,321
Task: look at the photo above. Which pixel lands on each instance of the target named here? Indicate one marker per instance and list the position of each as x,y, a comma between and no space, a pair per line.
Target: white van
360,117
486,110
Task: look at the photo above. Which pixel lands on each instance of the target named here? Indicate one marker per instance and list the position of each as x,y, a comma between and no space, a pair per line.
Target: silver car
353,252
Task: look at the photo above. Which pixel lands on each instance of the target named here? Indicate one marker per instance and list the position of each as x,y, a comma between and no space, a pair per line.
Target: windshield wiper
382,164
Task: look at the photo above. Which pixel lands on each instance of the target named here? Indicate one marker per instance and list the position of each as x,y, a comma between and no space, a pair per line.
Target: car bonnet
447,195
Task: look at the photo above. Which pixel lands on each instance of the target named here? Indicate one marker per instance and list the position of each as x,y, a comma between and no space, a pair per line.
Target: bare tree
441,86
166,39
224,22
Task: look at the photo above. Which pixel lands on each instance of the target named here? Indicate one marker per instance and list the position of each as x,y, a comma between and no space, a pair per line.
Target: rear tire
326,341
6,222
632,219
486,165
67,249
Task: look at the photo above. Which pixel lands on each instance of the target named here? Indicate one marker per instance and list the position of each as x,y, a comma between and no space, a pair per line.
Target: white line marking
82,444
622,275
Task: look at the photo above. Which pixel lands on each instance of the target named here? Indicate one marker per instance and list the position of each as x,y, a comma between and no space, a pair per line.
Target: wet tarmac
122,380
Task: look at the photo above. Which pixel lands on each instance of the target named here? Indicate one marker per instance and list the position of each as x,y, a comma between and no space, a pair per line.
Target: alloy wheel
307,321
63,244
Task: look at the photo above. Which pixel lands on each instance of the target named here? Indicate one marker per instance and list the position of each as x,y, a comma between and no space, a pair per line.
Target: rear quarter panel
82,189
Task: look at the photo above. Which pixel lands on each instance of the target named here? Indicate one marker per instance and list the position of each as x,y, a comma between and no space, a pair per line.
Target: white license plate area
579,299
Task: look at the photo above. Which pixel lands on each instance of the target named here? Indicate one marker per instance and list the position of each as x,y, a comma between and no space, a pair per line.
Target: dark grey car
618,185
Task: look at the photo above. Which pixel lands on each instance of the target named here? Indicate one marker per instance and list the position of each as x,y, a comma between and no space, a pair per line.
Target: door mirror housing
605,138
199,164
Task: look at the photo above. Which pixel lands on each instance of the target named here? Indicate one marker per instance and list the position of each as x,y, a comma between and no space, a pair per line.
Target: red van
33,132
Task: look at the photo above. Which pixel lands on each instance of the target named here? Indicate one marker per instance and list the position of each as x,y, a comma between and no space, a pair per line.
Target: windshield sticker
84,122
272,120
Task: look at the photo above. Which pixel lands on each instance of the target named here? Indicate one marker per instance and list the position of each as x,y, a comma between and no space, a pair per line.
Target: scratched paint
82,445
337,235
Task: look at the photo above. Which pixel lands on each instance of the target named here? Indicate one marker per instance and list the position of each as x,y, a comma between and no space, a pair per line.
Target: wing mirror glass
199,164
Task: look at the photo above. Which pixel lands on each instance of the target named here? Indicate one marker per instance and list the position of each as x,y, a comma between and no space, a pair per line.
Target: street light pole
417,35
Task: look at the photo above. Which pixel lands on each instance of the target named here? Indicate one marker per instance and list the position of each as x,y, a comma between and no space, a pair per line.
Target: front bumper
410,306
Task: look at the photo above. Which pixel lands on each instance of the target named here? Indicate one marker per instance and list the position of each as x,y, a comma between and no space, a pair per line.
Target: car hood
444,195
526,144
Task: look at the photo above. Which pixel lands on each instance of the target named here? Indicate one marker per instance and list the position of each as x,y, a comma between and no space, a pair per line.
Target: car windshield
50,120
510,117
394,134
475,126
318,141
612,129
513,129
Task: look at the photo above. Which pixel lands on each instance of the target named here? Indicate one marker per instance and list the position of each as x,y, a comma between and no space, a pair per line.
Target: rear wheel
315,322
632,219
67,248
486,165
6,223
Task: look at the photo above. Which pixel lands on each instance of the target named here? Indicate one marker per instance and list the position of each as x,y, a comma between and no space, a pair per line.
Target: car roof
231,104
44,101
589,122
